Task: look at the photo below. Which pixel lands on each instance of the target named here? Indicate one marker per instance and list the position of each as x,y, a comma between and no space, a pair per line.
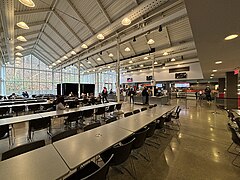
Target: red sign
236,71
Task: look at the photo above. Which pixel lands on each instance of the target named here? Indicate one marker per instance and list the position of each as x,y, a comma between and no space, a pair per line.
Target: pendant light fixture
126,21
100,36
28,3
20,48
22,25
21,38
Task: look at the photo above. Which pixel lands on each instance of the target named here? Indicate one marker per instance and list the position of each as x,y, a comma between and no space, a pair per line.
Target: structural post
52,81
231,90
79,78
118,71
97,83
153,81
61,77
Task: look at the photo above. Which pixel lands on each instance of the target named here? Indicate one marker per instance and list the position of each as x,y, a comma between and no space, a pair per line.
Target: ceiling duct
7,17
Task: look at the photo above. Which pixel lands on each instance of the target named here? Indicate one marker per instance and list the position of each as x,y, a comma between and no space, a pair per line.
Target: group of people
131,92
207,92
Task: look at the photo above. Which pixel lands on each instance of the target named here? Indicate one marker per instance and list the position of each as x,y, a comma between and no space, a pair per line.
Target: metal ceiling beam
149,47
94,60
37,23
53,5
104,11
27,34
54,42
55,31
167,35
48,54
67,26
40,58
42,55
109,56
101,58
81,17
132,47
33,11
49,47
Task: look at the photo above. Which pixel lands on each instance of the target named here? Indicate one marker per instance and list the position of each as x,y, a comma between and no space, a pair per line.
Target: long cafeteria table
42,163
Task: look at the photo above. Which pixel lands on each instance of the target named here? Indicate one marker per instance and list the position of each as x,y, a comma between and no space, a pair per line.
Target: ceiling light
146,58
58,61
53,64
109,66
214,70
140,70
130,62
18,54
84,46
100,69
178,65
127,49
99,59
17,62
173,59
164,67
81,64
212,74
126,21
218,62
131,71
151,41
28,3
73,53
110,55
93,70
22,25
21,38
18,59
155,62
65,57
141,65
129,67
211,77
230,37
151,69
50,67
89,62
165,53
100,36
20,48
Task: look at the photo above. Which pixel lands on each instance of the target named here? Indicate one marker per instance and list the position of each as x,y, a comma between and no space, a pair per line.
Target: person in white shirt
60,103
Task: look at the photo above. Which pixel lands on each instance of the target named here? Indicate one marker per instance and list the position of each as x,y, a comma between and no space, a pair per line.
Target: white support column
52,81
153,85
79,78
61,77
96,83
118,71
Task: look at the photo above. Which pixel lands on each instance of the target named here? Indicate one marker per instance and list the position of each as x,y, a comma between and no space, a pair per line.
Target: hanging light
110,55
81,64
58,61
73,53
53,64
140,70
130,62
130,67
230,37
165,53
28,3
20,48
126,21
99,59
173,59
134,39
145,58
18,59
100,36
65,57
21,38
17,62
109,66
18,54
151,41
141,65
127,49
22,25
50,66
84,46
151,69
155,62
89,62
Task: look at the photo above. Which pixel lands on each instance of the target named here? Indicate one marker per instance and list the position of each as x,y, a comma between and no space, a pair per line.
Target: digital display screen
129,79
159,85
149,78
182,85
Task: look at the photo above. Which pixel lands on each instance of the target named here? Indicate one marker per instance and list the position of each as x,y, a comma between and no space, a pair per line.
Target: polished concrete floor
197,151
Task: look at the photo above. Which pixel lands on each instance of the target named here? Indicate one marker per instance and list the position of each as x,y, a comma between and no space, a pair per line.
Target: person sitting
60,103
26,94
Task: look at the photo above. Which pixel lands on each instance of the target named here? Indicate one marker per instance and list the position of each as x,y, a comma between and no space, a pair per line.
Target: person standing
208,94
60,103
104,95
144,95
131,94
124,95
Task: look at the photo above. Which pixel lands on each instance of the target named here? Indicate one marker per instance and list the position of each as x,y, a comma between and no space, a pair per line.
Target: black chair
22,149
73,117
110,109
237,120
118,108
39,124
136,111
4,111
112,119
63,135
150,106
128,114
121,153
6,131
88,113
236,140
92,171
18,109
47,106
85,102
91,126
143,109
150,133
34,107
100,112
155,105
176,118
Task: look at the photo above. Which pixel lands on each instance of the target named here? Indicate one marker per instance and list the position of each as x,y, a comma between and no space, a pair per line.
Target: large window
31,75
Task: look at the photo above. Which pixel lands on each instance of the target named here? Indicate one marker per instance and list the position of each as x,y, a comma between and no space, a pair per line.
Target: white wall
163,74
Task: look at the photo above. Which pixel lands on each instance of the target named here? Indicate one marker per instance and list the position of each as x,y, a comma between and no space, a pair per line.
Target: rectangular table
78,149
237,111
137,121
19,119
42,163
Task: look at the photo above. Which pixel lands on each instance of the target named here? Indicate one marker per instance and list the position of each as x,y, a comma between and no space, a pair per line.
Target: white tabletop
237,111
137,121
78,149
18,119
29,104
42,163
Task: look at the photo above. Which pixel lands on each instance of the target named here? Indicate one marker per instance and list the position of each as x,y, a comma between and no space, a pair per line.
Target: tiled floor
197,151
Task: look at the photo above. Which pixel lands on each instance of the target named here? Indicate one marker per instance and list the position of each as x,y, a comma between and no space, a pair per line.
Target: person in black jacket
145,95
104,94
131,93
